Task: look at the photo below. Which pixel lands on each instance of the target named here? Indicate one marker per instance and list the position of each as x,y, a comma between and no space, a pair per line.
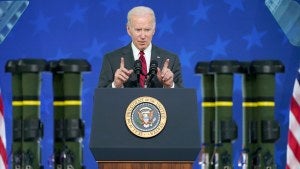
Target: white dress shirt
147,51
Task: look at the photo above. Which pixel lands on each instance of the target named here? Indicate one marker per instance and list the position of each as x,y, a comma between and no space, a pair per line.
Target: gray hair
140,11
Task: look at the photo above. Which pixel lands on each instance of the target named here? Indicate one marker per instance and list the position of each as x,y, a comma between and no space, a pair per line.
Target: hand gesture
165,76
121,75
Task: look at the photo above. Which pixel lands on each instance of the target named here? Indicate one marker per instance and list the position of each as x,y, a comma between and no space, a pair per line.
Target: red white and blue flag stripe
293,147
3,158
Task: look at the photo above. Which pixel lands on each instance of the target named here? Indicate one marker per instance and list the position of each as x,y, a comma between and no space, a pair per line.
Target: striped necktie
144,69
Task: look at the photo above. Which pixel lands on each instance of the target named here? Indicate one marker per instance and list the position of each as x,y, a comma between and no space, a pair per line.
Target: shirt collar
147,52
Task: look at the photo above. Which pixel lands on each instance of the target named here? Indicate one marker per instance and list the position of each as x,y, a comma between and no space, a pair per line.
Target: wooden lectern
115,146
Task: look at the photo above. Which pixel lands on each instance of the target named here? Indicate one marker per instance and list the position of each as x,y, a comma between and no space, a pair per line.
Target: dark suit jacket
111,62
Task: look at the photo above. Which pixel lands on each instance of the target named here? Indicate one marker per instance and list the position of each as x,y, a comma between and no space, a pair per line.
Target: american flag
3,159
293,147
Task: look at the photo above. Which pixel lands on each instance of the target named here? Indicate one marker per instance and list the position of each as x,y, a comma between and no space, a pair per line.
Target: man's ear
154,29
128,30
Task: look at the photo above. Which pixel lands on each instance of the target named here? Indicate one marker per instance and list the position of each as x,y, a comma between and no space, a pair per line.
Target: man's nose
143,34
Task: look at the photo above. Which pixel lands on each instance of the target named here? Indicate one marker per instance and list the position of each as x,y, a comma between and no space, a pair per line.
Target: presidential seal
145,117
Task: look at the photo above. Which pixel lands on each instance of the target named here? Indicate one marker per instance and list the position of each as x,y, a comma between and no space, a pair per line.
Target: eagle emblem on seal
146,116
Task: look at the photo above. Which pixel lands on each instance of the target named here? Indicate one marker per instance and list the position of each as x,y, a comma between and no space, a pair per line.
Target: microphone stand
148,83
137,70
138,80
152,72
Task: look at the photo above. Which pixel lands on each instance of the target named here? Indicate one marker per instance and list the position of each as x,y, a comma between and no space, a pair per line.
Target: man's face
141,30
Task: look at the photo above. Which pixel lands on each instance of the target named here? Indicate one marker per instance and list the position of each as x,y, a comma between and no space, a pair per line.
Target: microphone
152,71
153,67
137,68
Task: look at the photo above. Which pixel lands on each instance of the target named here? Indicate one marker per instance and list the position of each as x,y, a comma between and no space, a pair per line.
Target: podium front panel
111,140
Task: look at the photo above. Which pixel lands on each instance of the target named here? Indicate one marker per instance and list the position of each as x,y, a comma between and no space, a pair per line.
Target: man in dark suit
117,67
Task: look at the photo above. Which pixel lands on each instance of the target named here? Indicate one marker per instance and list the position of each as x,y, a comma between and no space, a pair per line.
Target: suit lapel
155,55
128,57
127,54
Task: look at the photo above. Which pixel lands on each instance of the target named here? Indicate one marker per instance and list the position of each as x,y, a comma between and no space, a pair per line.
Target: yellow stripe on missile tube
208,104
217,103
67,103
259,104
27,103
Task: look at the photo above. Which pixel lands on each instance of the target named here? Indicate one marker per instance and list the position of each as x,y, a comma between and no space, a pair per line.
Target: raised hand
121,75
165,76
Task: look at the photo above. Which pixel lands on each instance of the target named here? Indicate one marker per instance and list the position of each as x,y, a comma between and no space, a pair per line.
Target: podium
114,145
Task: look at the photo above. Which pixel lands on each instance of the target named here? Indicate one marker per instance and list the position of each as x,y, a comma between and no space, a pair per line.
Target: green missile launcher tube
69,127
26,108
267,129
